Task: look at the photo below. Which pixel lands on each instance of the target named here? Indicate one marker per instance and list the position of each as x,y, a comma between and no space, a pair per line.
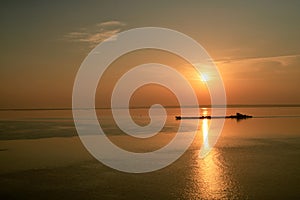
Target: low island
238,116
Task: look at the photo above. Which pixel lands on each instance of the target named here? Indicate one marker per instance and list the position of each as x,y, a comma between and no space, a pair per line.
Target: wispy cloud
95,34
111,23
280,58
254,68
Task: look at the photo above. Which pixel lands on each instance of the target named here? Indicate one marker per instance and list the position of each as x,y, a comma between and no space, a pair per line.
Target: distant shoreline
143,107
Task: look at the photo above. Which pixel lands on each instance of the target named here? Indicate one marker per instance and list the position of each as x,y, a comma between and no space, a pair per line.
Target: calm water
258,158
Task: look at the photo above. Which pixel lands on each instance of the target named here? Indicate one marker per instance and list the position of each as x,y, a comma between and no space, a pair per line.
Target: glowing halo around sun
93,67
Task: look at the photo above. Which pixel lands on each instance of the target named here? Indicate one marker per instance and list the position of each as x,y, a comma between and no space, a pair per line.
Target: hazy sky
255,44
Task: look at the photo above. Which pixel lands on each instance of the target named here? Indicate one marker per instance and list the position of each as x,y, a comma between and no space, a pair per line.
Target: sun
204,77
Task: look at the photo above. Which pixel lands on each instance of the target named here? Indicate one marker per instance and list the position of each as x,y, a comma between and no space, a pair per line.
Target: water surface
258,158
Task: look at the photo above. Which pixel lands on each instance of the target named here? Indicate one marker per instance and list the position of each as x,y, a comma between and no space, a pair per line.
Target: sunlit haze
254,44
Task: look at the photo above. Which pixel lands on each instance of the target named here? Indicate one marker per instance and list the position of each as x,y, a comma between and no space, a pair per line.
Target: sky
255,45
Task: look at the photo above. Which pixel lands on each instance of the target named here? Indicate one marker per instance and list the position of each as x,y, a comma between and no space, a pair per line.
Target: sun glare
204,77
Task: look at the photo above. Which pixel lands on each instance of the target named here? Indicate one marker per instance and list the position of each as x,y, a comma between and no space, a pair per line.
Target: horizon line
169,106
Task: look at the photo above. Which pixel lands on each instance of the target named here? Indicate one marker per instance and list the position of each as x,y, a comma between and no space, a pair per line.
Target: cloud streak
261,68
280,58
111,24
95,34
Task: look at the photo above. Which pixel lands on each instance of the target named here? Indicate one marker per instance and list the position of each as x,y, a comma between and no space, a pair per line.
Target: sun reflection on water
211,178
205,133
211,170
205,129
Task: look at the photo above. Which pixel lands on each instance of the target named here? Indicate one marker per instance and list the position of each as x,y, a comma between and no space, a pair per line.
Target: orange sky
255,45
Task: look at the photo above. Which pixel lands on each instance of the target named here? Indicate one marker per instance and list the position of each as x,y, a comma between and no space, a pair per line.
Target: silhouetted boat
238,116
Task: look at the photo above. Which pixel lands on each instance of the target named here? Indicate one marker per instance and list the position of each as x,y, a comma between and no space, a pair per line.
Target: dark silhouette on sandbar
238,116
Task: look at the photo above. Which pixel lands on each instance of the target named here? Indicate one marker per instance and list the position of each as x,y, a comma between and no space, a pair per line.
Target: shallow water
258,158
